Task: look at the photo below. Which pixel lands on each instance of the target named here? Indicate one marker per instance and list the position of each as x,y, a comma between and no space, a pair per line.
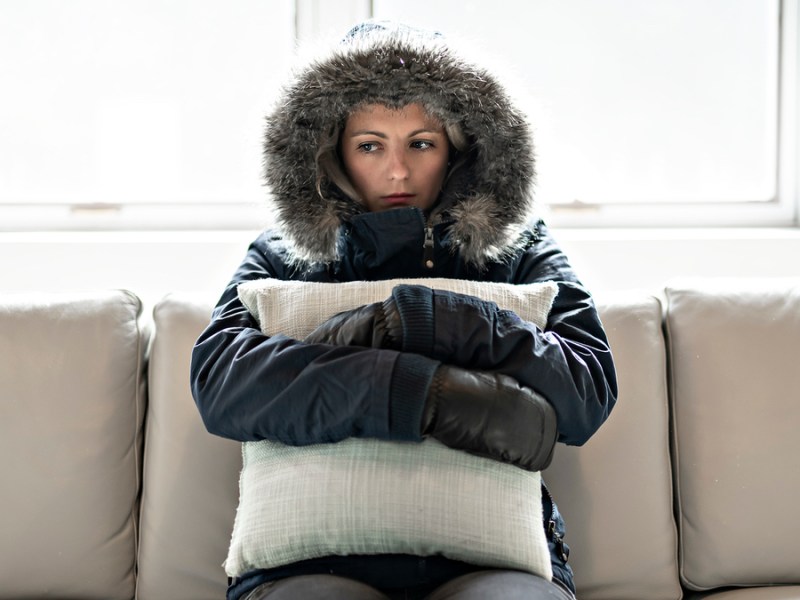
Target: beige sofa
111,488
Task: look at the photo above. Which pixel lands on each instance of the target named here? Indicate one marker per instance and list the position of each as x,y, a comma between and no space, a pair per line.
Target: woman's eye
421,144
367,147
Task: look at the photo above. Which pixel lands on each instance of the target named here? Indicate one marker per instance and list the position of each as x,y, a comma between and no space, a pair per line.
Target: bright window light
635,102
148,114
137,102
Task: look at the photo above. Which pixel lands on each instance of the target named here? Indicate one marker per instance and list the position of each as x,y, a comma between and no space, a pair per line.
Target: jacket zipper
561,548
427,248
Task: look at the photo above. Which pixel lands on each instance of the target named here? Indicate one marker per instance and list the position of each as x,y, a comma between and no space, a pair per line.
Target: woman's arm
569,362
248,386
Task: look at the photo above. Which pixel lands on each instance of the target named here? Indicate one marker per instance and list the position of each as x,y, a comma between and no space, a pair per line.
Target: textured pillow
364,496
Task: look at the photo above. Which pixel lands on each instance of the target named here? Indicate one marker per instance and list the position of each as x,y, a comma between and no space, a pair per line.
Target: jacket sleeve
248,386
569,362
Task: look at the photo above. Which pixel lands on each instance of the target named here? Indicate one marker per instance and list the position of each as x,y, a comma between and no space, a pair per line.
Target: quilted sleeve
569,362
248,386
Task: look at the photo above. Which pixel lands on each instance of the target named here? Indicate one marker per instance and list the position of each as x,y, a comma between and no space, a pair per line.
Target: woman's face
395,158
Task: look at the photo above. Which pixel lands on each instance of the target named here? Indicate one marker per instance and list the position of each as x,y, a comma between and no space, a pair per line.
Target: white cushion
71,410
295,308
190,485
365,496
734,356
615,492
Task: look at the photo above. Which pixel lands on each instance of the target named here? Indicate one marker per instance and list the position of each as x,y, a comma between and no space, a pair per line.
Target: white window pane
137,100
663,100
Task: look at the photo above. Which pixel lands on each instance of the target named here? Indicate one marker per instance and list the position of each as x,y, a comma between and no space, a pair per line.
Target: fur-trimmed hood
489,201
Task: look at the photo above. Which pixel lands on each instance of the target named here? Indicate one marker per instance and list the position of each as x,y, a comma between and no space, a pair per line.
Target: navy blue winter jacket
249,386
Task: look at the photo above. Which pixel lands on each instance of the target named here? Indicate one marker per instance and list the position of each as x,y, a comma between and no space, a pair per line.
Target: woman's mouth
397,199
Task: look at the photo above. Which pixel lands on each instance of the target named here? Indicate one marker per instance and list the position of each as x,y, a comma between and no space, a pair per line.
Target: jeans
481,585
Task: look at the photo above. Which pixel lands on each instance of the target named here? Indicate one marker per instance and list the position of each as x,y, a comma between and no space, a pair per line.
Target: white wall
153,264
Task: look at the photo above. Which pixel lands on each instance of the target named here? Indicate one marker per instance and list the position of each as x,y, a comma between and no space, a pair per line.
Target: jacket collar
384,244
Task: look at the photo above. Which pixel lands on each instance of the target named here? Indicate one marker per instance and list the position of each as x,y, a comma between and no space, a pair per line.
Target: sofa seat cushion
789,592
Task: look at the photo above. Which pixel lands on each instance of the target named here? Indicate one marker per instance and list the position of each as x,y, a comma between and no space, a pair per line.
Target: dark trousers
481,585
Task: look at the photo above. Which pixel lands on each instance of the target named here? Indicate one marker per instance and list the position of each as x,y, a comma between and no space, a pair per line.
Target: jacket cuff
415,305
411,379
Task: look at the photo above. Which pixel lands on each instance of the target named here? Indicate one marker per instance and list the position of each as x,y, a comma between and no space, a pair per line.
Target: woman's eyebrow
426,130
380,134
368,132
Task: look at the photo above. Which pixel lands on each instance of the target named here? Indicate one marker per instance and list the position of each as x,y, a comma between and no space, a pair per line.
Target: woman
394,158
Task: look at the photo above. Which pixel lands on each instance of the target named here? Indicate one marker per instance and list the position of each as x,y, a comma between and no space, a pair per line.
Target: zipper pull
427,247
561,548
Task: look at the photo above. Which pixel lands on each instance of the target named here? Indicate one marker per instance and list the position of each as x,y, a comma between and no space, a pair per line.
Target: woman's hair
330,167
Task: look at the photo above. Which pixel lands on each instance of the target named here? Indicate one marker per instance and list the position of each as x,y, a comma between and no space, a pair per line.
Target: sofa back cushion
71,406
735,377
616,491
190,487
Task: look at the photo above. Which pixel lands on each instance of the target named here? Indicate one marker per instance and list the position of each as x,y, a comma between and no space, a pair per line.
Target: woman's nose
398,166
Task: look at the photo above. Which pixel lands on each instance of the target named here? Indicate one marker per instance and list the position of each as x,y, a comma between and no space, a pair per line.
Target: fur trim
490,200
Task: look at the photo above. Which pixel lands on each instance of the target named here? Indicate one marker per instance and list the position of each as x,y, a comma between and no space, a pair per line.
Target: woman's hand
491,415
374,325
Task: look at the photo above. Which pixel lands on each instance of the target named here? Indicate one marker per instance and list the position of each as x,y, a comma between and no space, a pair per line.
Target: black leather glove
376,325
490,415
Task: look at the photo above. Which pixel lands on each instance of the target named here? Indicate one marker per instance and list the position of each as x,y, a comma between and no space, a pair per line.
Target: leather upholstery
615,492
692,484
71,412
191,478
735,355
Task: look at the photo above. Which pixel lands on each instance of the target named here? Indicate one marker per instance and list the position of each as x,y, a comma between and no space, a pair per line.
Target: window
128,113
149,113
670,111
